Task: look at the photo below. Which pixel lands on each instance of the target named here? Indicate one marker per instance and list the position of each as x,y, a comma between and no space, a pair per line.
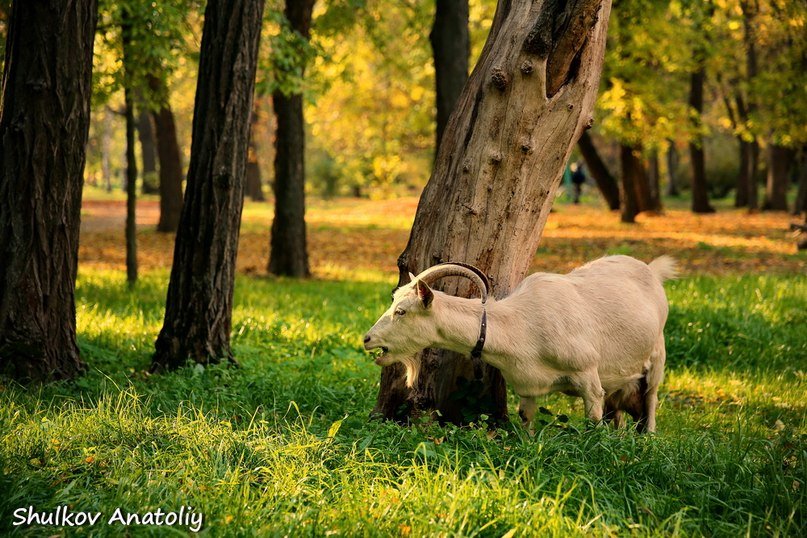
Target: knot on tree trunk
559,34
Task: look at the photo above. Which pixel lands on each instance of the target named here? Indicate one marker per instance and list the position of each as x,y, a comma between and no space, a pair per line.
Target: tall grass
283,444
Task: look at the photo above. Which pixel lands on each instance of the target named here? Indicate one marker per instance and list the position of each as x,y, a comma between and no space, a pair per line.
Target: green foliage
283,445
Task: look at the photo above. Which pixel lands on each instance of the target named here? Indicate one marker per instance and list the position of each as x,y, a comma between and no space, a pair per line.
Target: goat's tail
664,267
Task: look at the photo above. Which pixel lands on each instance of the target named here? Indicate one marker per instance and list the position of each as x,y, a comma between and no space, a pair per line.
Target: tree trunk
605,181
744,181
495,179
780,160
288,254
145,131
451,47
654,182
801,196
632,173
745,110
131,163
254,187
700,193
47,84
672,170
198,308
170,160
106,149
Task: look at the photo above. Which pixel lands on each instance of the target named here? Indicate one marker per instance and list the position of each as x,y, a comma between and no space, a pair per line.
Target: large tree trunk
780,161
170,160
599,171
700,193
289,255
632,174
198,307
131,163
47,84
148,150
451,46
254,187
495,179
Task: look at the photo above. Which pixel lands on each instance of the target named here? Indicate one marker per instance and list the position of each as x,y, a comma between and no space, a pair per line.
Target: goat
596,332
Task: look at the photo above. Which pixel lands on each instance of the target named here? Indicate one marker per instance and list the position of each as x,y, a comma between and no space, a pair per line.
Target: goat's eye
400,311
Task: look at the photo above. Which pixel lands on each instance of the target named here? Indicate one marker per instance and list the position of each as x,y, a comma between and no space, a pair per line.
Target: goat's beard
412,365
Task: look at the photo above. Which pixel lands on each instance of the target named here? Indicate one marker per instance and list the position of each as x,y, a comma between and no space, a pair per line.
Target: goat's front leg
589,386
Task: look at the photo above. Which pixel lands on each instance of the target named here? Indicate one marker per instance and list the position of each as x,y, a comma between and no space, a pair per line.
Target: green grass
283,445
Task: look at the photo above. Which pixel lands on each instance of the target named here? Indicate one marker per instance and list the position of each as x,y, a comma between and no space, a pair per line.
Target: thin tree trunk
288,253
495,178
47,84
198,309
254,187
145,131
744,181
746,110
106,149
170,160
654,182
700,193
780,160
131,162
599,171
631,166
801,196
451,47
672,170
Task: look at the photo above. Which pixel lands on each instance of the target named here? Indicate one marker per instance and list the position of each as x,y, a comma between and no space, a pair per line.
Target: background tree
43,131
491,190
198,309
131,163
451,47
288,252
599,171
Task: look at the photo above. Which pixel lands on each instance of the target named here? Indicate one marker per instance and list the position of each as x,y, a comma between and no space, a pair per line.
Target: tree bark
148,150
632,174
494,180
672,170
131,162
288,252
747,109
198,308
780,161
47,84
700,193
599,171
170,160
451,47
254,185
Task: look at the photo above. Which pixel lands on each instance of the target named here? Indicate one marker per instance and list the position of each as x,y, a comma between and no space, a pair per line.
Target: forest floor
282,446
347,234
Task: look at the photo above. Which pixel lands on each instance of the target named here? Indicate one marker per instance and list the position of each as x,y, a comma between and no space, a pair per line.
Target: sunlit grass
283,444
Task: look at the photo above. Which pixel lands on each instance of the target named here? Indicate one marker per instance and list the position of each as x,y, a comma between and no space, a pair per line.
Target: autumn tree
599,171
494,180
451,47
47,83
288,252
198,307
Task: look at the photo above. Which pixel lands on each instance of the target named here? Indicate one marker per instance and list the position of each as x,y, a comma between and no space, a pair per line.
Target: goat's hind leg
654,377
526,410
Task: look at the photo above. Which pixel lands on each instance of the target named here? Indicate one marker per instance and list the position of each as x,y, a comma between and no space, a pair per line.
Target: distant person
578,178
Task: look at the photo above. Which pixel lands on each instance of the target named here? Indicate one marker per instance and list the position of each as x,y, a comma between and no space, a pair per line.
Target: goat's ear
412,277
424,293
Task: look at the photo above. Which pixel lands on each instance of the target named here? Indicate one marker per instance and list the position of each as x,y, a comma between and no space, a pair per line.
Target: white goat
596,332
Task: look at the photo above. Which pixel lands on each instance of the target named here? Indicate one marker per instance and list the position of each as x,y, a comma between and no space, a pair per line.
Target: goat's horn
470,272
